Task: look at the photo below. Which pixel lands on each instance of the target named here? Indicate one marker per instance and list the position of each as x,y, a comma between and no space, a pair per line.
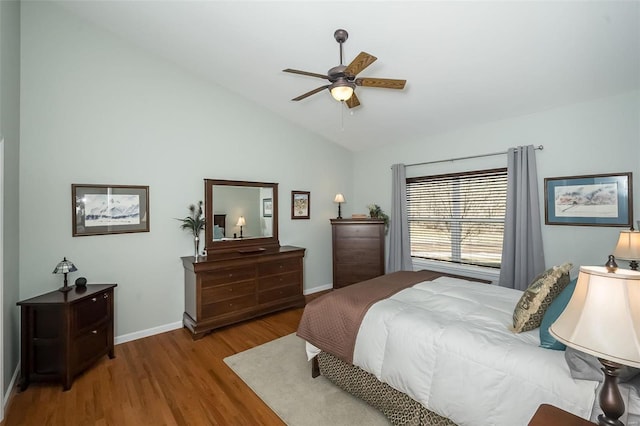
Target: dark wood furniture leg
315,367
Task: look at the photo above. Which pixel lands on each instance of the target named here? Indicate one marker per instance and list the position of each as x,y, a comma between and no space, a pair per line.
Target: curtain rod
539,147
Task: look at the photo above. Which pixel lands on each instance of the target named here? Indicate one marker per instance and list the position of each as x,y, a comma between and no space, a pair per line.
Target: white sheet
446,343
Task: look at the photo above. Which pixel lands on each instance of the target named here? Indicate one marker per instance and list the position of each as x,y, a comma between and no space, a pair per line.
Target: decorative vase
196,246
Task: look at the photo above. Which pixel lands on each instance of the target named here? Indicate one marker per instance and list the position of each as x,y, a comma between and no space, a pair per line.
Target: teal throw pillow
555,309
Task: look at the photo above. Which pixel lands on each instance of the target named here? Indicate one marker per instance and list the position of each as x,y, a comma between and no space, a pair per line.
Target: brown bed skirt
398,407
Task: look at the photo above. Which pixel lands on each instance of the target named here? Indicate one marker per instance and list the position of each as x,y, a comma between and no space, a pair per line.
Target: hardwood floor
166,379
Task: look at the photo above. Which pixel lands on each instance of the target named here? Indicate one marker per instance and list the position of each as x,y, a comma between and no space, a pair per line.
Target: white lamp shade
628,247
603,315
241,221
339,198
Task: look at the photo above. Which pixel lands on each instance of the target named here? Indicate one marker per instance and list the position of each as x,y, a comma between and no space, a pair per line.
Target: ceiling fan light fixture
342,90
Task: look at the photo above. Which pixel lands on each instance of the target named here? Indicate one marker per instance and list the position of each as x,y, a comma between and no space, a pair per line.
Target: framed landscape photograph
109,209
300,205
267,207
590,200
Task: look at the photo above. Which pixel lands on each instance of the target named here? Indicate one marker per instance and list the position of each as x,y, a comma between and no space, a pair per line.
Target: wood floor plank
167,379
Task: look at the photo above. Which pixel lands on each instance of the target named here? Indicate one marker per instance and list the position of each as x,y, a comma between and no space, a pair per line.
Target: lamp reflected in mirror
241,223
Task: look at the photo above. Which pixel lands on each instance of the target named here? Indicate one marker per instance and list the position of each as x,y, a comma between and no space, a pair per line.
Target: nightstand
62,334
548,415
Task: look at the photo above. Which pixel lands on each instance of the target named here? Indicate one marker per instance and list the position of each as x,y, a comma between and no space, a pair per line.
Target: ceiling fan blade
353,101
312,92
361,61
384,83
310,74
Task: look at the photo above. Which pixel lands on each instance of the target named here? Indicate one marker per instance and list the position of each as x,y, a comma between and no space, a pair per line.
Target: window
458,218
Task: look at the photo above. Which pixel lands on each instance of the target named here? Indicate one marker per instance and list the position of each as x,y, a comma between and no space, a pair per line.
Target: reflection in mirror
226,202
248,202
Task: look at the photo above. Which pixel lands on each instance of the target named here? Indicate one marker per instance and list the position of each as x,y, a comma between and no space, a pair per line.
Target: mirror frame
240,245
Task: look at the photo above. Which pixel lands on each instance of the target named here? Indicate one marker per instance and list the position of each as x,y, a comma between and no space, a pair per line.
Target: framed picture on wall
590,200
267,207
109,209
300,205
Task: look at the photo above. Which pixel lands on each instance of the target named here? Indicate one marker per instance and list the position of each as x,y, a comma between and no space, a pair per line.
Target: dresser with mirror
246,272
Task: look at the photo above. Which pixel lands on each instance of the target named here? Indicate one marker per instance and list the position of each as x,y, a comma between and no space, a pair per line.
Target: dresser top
357,221
57,297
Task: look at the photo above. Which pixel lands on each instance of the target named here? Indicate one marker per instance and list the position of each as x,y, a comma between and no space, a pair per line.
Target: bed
430,349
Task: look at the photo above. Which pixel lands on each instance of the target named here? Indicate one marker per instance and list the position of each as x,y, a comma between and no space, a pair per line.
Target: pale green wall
10,131
600,136
98,110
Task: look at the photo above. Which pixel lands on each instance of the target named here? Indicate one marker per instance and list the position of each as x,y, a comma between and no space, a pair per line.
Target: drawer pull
94,299
94,331
106,296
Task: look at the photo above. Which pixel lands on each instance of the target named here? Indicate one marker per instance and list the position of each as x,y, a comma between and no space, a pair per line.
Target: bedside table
62,334
548,415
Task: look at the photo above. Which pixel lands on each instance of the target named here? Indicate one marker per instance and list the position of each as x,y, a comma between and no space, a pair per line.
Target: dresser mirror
240,215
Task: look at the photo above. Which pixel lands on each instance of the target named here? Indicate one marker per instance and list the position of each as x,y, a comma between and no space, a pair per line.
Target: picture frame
267,207
300,205
109,209
589,200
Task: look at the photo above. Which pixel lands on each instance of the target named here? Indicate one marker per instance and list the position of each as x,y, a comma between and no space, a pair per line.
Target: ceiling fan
343,78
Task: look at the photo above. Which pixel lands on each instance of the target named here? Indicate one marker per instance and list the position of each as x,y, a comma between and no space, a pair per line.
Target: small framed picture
267,207
590,200
109,209
300,205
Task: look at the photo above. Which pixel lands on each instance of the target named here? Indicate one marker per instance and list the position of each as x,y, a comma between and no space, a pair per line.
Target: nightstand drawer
90,312
89,346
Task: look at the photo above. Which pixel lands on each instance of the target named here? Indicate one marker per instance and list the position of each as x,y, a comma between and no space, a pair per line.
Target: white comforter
447,344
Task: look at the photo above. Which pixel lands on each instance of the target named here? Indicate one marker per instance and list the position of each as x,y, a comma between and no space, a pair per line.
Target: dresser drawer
280,280
219,293
358,256
279,266
89,346
227,275
90,312
279,293
229,305
358,231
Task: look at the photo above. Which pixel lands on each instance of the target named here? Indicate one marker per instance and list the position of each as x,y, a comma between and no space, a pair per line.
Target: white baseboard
146,333
317,289
9,393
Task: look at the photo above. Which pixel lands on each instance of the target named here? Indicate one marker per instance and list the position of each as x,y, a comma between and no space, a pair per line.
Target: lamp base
633,265
611,401
65,289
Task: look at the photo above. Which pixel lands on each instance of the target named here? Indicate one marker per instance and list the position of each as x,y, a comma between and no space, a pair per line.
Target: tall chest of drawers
358,250
229,287
62,334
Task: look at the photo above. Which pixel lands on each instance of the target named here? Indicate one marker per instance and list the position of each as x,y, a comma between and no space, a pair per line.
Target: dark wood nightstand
548,415
62,334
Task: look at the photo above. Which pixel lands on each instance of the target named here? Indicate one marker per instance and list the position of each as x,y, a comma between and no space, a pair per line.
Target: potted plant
376,213
194,223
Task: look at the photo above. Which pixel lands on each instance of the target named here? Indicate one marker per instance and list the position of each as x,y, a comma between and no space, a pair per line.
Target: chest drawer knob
105,296
94,331
94,299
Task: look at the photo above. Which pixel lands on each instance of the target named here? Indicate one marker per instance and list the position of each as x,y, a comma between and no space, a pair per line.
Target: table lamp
241,223
64,267
339,199
628,248
603,319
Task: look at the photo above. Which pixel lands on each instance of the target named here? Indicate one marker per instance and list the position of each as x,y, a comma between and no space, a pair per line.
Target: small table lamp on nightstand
603,319
64,267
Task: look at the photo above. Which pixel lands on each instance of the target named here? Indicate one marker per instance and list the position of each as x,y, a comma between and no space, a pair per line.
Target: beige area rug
279,373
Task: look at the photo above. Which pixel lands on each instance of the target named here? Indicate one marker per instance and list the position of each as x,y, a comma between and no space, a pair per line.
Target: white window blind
459,217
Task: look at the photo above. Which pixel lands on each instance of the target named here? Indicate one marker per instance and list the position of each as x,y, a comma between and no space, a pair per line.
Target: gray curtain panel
522,252
399,245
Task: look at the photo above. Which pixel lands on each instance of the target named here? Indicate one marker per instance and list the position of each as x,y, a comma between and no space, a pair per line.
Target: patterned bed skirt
398,407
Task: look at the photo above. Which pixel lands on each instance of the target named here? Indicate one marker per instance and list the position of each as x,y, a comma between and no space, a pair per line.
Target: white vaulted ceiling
465,62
